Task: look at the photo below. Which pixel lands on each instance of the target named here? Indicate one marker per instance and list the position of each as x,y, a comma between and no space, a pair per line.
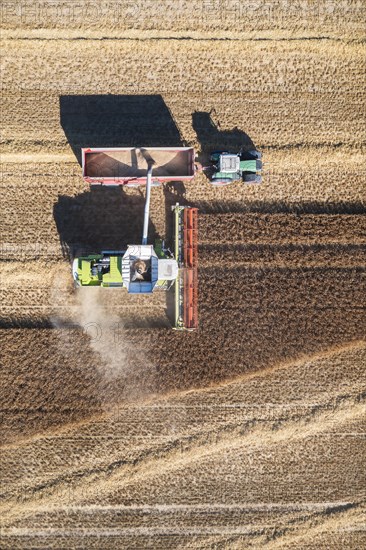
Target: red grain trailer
129,165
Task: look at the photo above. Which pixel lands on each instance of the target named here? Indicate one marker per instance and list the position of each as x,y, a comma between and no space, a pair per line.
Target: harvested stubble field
117,432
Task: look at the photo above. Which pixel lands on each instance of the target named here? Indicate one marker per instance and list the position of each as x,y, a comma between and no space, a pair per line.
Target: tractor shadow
212,138
100,219
117,121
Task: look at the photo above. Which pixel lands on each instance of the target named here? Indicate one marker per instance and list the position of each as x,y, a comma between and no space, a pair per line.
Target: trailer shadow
100,219
117,121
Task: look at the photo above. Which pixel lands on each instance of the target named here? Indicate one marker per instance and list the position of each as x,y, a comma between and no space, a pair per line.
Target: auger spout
147,204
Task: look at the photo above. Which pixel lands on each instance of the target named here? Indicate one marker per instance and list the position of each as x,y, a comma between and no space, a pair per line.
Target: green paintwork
248,166
215,157
245,166
158,247
113,278
84,271
178,225
225,175
115,272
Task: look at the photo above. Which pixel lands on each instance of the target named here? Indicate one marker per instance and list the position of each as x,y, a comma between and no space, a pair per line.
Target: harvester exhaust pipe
147,203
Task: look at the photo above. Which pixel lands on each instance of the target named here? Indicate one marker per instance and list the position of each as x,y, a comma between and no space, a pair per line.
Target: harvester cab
245,166
145,268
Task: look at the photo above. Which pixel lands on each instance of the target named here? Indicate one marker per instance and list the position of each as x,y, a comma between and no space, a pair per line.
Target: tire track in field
150,464
284,255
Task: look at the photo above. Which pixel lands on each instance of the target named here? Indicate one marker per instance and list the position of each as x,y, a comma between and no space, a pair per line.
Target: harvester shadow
100,219
212,138
117,121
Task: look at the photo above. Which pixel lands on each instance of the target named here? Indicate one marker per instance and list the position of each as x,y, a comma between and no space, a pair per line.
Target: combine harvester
144,268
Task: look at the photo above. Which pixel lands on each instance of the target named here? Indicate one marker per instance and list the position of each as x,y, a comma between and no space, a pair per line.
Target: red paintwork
190,273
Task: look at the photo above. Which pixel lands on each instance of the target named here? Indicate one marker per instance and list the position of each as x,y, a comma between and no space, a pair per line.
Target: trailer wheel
132,185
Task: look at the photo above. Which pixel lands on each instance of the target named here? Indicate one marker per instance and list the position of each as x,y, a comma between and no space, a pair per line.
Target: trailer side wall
123,165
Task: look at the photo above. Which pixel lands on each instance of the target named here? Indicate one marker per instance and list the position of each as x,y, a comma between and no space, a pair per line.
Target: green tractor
226,168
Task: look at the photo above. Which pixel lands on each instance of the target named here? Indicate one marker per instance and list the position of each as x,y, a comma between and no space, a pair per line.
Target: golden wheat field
118,432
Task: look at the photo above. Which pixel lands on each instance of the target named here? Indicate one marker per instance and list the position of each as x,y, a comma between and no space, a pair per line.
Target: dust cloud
104,328
92,311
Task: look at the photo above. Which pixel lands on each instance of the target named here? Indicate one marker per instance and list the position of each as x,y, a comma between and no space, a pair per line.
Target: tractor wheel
215,155
252,178
255,154
221,182
250,155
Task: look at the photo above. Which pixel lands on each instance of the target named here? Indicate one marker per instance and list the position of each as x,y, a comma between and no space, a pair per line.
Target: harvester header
186,254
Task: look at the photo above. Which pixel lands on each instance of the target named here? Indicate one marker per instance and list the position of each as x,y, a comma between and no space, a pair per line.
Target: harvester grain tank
145,268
